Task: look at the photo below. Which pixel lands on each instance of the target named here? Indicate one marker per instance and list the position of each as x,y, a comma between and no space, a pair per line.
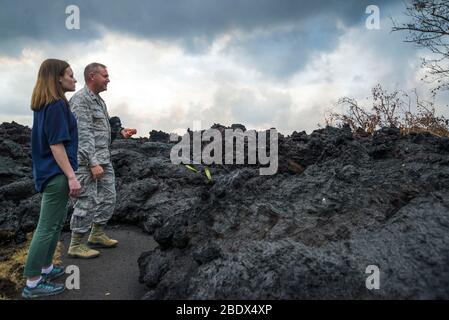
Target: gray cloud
280,53
180,20
281,35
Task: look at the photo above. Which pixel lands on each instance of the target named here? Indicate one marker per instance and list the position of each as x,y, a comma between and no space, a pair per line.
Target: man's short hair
92,68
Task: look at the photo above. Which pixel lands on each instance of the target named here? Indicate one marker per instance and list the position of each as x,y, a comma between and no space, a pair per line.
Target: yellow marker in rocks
191,168
207,172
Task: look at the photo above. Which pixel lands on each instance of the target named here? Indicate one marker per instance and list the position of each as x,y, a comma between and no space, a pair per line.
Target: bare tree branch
429,28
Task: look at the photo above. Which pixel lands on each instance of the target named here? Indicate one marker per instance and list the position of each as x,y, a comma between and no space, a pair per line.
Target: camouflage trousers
96,201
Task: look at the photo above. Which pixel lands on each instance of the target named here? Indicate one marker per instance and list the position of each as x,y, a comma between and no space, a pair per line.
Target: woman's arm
62,160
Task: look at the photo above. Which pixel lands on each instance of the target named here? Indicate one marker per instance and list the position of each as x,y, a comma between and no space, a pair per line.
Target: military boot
99,239
78,249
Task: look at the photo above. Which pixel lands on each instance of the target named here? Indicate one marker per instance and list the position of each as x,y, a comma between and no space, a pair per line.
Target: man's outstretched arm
117,130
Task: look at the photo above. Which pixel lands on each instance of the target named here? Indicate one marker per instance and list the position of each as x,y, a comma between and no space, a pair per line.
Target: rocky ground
341,201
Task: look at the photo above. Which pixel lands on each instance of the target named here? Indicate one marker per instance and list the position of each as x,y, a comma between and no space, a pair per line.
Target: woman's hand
74,187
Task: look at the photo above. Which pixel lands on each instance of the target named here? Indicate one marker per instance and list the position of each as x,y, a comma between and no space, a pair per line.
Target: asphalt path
114,274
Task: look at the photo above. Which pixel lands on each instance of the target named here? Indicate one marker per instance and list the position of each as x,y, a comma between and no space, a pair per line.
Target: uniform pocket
86,200
101,129
87,184
99,120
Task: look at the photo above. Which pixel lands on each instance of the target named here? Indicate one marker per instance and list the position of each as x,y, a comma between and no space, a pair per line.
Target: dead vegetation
12,263
395,110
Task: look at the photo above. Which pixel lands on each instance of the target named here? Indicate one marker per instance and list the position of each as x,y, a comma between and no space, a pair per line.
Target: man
95,204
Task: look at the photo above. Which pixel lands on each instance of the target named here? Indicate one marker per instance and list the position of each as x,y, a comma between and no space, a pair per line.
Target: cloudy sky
262,63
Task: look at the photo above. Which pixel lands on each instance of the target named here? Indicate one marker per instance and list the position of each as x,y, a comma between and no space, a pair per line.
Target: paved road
114,274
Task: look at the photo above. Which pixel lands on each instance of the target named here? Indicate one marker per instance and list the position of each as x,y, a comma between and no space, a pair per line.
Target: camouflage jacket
96,130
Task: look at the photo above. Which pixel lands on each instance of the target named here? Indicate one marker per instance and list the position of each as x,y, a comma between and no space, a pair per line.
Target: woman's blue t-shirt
53,124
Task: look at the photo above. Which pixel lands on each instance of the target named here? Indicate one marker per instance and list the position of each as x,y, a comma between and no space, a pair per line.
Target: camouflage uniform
96,201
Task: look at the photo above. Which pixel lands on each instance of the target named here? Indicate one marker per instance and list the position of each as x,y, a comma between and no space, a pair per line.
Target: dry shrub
390,110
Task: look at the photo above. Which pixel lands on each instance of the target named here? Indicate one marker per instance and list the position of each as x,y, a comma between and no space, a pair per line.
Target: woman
54,145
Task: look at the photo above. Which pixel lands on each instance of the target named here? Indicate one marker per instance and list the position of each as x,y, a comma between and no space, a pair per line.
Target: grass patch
12,263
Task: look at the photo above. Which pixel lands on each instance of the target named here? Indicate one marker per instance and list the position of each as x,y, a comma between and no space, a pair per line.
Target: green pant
51,220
